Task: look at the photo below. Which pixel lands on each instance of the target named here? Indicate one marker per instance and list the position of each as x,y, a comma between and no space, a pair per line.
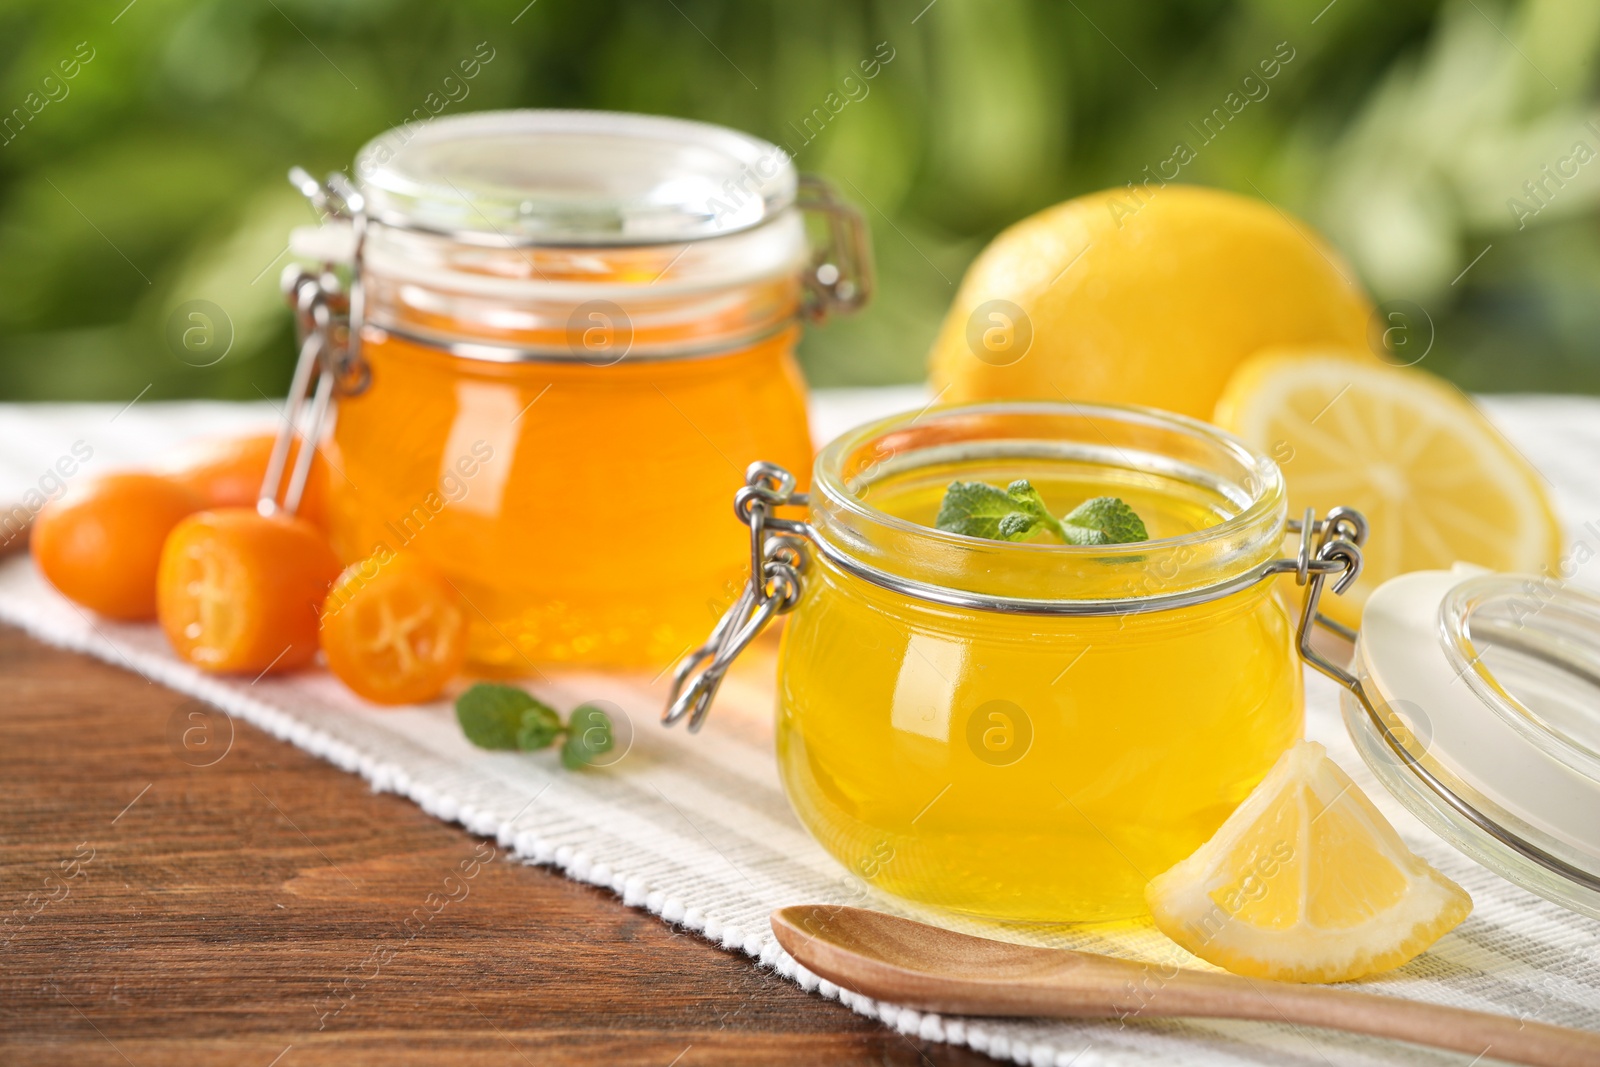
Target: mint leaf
491,715
588,737
1017,512
980,510
539,727
1105,520
974,509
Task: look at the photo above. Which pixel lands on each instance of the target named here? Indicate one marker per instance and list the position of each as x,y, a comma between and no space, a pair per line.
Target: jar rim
828,463
849,523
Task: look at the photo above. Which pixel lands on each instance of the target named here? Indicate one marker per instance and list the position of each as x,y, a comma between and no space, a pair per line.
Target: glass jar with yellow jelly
1024,730
557,324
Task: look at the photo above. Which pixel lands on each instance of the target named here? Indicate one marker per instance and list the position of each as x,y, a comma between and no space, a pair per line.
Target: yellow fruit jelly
1028,766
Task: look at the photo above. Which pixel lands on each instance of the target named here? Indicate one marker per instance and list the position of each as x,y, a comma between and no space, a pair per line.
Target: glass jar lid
1491,685
585,178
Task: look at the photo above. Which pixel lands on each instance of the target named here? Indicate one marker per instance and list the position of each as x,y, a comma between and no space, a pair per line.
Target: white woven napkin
697,830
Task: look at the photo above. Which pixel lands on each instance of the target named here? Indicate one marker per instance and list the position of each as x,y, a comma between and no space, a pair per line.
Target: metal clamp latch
776,563
840,278
328,317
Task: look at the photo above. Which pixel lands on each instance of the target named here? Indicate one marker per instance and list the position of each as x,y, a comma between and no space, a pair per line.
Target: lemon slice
1437,483
1306,882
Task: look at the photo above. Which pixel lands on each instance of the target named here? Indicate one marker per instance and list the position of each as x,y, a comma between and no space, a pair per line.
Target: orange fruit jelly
581,510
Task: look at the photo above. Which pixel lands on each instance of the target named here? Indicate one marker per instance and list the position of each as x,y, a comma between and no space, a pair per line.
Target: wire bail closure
776,564
328,319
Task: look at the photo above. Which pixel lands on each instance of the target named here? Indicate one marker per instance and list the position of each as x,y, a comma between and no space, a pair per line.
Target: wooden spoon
921,966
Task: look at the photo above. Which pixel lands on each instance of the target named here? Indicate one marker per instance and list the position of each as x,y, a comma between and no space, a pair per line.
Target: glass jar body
1022,767
580,509
1032,730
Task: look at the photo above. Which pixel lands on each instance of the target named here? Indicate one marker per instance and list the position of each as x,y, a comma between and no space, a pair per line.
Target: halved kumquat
243,592
394,630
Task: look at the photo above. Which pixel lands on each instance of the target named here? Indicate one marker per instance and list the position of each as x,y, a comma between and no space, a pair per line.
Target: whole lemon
1142,297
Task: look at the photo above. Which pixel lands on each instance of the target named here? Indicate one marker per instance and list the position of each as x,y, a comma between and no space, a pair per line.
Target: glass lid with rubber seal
1482,715
573,178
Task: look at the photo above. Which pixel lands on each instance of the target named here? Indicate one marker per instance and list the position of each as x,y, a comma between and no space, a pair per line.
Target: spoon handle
906,962
1476,1033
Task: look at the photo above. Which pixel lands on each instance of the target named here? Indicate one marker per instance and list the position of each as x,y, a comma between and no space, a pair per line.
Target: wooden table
251,912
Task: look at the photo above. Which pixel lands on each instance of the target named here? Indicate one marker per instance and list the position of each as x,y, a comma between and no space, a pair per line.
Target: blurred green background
154,174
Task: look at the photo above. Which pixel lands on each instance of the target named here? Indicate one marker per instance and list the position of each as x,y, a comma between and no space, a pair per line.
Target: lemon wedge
1306,882
1437,483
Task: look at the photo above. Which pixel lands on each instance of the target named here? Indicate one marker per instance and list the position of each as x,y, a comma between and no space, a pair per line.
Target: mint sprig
1018,512
506,717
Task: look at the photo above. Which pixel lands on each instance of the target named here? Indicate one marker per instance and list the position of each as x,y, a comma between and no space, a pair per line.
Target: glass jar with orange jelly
554,325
